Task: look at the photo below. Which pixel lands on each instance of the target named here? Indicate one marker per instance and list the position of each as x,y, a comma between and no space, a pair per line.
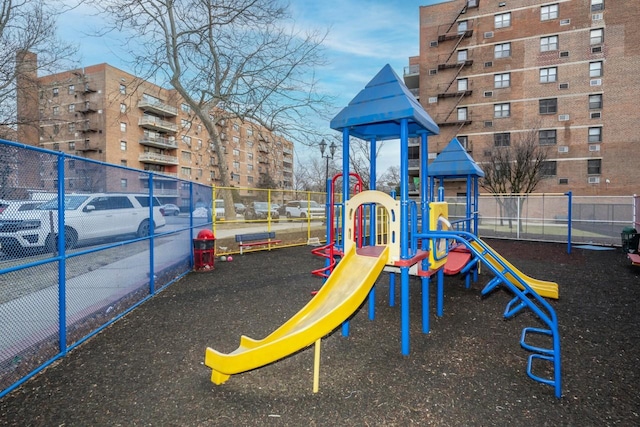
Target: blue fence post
570,203
62,269
152,232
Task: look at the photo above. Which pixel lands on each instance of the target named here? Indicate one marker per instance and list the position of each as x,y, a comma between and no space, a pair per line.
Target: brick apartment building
490,71
103,113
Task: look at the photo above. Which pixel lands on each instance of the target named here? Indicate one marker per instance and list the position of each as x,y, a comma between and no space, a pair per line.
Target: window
595,134
123,127
595,69
236,165
596,36
123,89
502,110
501,139
123,145
549,12
594,167
464,141
595,102
463,55
72,147
502,80
123,108
56,129
185,108
186,139
199,144
462,114
185,123
236,127
123,183
186,156
548,43
249,168
123,163
250,179
463,26
236,152
185,171
56,110
249,132
72,89
548,168
56,91
72,108
72,127
249,157
547,137
56,146
502,50
236,140
548,106
463,85
502,20
548,75
597,5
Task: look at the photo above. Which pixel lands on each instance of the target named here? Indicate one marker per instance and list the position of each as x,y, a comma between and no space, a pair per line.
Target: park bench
250,240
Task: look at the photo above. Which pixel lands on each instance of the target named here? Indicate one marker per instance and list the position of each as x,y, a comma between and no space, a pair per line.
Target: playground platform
147,369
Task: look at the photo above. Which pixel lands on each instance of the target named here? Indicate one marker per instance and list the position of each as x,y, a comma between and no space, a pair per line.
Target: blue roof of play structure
454,161
379,108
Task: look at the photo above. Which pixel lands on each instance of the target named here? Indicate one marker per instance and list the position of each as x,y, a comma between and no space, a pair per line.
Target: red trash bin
204,251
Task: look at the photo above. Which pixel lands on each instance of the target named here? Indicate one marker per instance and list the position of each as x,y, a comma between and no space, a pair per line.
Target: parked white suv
304,209
86,216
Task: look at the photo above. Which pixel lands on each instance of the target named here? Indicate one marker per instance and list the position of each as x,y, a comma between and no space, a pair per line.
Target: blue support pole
424,226
440,302
392,289
345,197
372,221
404,235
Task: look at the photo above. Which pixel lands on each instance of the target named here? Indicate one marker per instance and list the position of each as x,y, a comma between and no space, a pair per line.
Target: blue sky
364,35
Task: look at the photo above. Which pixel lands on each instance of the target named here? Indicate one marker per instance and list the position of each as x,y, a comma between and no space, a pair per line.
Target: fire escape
455,60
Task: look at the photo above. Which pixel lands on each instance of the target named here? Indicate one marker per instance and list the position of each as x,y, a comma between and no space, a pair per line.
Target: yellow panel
438,247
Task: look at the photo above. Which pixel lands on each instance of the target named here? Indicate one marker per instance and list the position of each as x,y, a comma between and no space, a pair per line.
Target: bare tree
227,59
28,30
514,168
389,180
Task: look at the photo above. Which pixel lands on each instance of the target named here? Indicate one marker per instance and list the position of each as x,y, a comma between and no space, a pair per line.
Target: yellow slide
340,296
542,287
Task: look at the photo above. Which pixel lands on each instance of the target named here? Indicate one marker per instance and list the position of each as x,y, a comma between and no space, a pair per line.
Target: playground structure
377,232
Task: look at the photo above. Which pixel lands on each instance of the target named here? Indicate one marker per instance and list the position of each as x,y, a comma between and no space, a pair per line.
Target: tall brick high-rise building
492,71
103,113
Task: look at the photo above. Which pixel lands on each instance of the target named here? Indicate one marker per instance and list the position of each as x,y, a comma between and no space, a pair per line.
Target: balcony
451,91
446,64
87,107
158,159
88,126
171,176
262,147
454,121
157,107
87,146
159,142
454,35
157,124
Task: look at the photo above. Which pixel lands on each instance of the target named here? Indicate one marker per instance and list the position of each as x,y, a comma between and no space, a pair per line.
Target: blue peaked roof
454,161
378,109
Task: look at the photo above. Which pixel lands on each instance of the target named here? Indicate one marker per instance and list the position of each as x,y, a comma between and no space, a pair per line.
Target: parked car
86,216
260,210
170,210
240,208
304,209
11,207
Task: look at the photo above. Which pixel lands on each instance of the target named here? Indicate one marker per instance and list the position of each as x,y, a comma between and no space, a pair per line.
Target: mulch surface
148,368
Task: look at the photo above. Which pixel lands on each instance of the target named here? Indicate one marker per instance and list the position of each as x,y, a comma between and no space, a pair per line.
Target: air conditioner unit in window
565,21
596,49
595,115
563,181
433,43
488,35
433,72
488,64
563,149
597,17
433,100
563,117
564,54
594,147
488,93
563,86
595,82
593,180
488,124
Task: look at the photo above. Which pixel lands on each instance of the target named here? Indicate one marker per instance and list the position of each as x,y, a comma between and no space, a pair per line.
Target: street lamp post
332,151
